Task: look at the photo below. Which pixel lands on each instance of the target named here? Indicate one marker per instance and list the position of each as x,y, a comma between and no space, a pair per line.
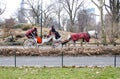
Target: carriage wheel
29,43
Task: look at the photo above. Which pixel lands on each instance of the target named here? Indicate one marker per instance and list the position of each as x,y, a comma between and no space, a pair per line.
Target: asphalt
57,61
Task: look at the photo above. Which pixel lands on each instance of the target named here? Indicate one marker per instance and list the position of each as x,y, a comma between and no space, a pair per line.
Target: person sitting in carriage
54,32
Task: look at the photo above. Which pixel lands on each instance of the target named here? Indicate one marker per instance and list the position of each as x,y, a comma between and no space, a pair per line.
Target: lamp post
41,18
59,13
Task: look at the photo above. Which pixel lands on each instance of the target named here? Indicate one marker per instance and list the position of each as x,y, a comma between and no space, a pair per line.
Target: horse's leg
97,41
86,43
74,43
82,42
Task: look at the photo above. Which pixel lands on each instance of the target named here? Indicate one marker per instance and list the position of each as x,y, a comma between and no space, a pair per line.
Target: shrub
23,26
26,27
17,26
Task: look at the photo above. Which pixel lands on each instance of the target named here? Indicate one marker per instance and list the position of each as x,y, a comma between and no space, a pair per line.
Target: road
57,61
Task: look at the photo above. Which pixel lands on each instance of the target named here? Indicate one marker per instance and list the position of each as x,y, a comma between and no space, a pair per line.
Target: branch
95,4
28,17
68,4
77,7
65,7
107,9
73,3
31,6
2,11
102,3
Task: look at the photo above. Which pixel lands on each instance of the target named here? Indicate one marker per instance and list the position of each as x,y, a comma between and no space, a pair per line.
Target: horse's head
93,34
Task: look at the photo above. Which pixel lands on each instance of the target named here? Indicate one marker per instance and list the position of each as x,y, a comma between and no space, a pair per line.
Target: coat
82,35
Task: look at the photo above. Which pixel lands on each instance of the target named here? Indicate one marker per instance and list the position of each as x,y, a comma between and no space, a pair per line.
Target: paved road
56,61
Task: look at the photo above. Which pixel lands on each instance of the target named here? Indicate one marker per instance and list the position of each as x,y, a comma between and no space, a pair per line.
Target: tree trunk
103,27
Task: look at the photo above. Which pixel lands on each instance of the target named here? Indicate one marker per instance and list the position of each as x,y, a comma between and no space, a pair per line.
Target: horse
85,36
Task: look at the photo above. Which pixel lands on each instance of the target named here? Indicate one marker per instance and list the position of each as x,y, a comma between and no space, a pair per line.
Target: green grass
59,73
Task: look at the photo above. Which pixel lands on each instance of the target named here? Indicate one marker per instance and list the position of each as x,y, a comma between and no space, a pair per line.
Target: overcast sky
13,5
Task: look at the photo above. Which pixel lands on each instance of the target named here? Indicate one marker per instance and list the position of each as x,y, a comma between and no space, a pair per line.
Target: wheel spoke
29,43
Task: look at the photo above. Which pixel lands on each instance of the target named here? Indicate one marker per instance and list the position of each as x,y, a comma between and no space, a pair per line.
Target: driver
31,33
54,32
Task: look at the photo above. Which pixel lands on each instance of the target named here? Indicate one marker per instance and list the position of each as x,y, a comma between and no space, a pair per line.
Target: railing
60,61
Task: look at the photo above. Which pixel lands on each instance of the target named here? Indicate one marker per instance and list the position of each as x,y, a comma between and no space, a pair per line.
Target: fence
60,61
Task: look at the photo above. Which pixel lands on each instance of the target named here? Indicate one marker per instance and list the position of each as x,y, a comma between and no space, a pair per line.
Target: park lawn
59,73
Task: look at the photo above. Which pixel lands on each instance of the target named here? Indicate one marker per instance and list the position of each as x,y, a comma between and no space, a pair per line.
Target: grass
59,73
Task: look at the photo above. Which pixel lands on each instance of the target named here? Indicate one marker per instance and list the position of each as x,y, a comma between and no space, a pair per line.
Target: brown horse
85,36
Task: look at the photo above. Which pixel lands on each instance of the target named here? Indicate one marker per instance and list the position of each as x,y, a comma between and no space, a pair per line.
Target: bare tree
113,9
85,20
33,10
72,7
82,18
57,9
64,22
21,16
2,6
7,28
47,13
100,7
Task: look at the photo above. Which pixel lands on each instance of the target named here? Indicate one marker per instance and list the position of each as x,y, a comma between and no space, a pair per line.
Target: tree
72,7
20,13
57,9
47,15
9,23
113,9
7,28
100,7
21,16
85,20
64,22
2,6
33,10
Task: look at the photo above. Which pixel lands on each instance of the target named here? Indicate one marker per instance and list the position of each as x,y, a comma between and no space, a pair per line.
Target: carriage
36,42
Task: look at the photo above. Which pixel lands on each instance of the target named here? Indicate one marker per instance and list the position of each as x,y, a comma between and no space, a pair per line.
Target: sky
13,5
